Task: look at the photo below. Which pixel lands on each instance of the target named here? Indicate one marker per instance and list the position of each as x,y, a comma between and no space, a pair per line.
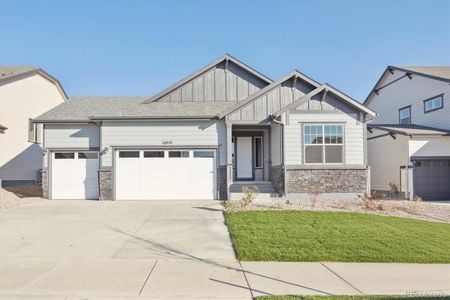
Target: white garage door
74,175
165,174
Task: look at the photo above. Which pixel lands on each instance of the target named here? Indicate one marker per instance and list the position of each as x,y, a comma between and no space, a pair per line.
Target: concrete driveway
155,249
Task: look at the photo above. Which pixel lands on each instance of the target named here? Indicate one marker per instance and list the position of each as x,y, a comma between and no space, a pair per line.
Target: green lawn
336,236
348,298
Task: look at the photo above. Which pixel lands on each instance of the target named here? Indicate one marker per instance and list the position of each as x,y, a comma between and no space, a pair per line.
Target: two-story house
25,92
409,142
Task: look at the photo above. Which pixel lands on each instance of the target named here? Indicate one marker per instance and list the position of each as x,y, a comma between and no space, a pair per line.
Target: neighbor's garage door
165,174
74,175
432,179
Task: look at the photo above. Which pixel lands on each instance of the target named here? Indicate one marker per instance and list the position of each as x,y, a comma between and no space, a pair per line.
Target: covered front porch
250,152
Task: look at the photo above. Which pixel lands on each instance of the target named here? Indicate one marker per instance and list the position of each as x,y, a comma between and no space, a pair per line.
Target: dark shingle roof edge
411,129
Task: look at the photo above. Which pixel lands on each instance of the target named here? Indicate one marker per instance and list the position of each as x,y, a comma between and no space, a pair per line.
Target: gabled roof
298,74
266,89
11,71
409,130
87,109
441,73
206,69
8,73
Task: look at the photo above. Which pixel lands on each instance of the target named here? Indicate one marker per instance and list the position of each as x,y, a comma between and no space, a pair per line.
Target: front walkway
167,250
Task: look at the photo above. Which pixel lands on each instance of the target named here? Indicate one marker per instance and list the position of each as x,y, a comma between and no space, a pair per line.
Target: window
64,155
433,103
129,154
233,145
153,154
258,152
323,144
404,115
178,154
204,154
87,155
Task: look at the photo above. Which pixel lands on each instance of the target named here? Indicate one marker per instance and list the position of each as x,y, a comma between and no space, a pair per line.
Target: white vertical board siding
275,139
353,136
411,92
437,146
385,156
142,134
71,136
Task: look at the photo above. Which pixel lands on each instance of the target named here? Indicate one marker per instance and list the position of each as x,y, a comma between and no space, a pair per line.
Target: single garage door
165,174
432,179
74,175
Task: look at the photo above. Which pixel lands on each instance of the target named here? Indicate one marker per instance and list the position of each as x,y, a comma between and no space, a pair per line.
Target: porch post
229,159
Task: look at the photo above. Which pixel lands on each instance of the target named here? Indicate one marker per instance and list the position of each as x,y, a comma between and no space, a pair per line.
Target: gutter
174,118
62,121
282,152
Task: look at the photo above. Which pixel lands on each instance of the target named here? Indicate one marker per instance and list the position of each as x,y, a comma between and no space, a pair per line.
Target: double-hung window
323,143
404,115
433,103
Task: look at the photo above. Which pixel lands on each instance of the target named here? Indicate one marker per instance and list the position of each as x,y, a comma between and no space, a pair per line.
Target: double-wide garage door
165,174
74,175
432,179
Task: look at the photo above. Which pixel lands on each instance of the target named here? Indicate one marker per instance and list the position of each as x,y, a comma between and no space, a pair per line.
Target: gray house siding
157,134
344,180
221,83
412,92
272,101
71,136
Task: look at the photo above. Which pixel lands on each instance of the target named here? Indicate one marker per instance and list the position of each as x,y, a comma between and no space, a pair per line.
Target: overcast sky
137,48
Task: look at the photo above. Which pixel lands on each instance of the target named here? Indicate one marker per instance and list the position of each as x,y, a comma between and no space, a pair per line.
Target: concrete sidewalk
208,279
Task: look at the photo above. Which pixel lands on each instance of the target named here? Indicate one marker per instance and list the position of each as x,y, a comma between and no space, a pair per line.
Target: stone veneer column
105,184
222,182
44,178
277,178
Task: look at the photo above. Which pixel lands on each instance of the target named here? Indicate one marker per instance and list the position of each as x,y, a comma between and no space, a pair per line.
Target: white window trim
441,97
409,116
323,163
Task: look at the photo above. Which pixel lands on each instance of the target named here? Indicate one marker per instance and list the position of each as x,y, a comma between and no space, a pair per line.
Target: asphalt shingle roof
85,108
10,71
411,129
438,71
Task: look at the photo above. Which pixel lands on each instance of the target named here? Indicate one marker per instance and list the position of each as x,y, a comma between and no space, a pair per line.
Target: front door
244,158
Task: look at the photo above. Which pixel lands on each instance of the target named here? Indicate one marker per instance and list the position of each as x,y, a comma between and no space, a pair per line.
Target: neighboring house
207,136
409,144
25,92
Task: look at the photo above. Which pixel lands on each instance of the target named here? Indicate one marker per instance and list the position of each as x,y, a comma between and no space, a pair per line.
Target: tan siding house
25,92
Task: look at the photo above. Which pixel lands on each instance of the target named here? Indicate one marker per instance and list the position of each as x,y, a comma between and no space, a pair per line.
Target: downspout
283,167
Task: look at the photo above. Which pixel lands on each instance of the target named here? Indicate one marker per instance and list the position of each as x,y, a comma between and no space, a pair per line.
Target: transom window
324,144
404,115
434,103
